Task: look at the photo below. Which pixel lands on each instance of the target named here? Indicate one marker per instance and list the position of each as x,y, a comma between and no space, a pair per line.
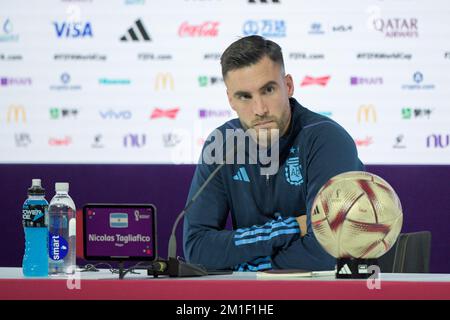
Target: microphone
173,266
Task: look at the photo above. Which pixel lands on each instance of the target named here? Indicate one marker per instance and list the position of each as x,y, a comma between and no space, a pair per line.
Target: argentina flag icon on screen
118,220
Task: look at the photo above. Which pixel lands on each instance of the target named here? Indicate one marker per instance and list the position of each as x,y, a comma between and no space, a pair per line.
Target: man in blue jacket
270,213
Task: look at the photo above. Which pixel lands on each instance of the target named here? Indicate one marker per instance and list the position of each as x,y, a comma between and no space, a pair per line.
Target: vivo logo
73,30
111,114
438,141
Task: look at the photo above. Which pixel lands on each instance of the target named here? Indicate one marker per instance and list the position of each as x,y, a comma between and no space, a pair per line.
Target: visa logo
111,114
73,29
118,220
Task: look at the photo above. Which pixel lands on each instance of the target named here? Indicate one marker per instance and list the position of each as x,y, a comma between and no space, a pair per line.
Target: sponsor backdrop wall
91,90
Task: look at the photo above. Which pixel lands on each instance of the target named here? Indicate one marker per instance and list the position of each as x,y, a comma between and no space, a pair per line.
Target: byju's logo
6,31
438,141
265,28
397,27
316,29
161,113
133,140
12,81
418,83
211,113
65,84
116,115
73,30
320,81
415,113
205,81
366,81
206,29
136,32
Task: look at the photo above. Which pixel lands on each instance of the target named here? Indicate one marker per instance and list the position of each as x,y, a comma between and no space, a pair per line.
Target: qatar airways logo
397,27
206,29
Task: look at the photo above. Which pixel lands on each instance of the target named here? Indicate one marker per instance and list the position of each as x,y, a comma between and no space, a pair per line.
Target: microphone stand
175,267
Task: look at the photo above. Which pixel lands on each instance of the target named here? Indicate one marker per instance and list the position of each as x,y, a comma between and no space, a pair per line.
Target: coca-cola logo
206,29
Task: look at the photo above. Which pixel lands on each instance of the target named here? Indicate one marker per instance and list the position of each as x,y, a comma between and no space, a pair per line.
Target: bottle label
57,247
34,216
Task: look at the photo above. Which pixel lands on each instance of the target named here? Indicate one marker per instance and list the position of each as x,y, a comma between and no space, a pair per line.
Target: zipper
268,195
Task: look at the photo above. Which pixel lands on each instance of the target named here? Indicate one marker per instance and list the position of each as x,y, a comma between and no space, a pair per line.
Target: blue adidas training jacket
265,232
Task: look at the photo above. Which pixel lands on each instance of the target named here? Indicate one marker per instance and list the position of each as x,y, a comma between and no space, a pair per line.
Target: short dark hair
249,50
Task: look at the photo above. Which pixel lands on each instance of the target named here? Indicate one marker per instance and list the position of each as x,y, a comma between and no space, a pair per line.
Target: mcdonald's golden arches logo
16,113
164,81
367,113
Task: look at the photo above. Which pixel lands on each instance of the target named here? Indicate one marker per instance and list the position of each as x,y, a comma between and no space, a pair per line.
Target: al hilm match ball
356,215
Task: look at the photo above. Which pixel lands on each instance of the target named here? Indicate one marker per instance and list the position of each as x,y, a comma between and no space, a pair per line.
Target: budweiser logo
159,113
206,29
321,81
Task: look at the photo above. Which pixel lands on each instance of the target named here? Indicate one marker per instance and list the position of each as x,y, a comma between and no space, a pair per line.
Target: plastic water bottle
34,220
61,228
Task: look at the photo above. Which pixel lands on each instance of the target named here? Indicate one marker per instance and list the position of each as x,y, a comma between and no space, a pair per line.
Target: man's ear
289,85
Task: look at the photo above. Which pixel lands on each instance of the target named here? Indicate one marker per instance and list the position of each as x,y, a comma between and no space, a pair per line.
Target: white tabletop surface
105,274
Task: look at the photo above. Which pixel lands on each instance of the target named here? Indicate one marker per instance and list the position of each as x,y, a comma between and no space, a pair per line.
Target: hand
302,224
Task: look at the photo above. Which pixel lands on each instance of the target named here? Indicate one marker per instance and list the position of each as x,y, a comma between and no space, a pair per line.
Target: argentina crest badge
292,169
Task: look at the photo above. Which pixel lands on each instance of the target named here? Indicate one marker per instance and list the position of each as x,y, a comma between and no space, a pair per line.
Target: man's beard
264,137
